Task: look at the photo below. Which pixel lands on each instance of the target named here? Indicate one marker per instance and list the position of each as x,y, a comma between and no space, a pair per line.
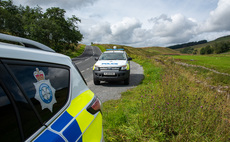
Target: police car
43,96
112,65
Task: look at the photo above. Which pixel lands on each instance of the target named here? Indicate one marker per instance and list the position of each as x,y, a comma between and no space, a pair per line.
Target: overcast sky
142,23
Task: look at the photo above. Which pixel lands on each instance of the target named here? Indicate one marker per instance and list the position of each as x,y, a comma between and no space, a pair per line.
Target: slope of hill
148,51
211,43
178,46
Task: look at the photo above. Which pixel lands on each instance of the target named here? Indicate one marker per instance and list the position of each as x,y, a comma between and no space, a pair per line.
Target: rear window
47,87
38,90
8,127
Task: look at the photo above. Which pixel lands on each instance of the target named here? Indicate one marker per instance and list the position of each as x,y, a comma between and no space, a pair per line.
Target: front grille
110,68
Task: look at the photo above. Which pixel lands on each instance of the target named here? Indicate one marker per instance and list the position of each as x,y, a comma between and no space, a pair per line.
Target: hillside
147,51
173,102
211,43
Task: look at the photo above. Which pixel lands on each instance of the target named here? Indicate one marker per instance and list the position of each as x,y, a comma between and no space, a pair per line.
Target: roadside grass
78,50
169,105
219,62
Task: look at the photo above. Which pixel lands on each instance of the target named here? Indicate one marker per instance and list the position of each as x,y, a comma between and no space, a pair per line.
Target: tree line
50,28
216,48
219,47
187,44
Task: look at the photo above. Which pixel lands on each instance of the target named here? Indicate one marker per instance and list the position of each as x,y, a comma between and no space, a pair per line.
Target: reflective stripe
67,125
93,66
94,131
62,121
127,66
78,103
49,136
73,132
84,119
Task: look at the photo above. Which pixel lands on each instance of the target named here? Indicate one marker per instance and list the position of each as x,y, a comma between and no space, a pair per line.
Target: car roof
12,51
25,42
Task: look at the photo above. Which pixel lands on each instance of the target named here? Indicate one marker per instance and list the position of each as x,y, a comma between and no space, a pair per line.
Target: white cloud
219,18
96,33
123,32
174,29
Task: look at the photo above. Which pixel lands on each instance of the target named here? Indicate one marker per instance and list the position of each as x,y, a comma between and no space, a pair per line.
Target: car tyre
126,81
96,82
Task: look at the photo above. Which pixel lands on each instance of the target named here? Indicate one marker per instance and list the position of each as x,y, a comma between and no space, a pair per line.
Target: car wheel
96,82
126,81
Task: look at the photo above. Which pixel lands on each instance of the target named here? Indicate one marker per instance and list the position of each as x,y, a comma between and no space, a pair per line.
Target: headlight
96,68
124,67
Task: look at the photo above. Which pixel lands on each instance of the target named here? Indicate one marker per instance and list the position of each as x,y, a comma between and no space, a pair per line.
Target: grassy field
219,62
169,105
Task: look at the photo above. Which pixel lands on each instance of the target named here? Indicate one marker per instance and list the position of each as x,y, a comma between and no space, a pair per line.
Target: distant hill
187,44
147,51
212,43
219,45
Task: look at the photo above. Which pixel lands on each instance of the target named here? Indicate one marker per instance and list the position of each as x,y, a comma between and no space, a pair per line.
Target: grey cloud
65,4
174,29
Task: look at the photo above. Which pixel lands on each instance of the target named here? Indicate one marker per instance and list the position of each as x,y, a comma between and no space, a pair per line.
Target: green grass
78,50
217,62
169,105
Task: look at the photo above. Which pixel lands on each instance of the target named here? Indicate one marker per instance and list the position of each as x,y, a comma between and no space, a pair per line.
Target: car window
39,92
9,129
47,87
28,121
112,56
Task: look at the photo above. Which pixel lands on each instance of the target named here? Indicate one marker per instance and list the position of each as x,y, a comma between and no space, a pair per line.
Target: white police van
43,96
112,65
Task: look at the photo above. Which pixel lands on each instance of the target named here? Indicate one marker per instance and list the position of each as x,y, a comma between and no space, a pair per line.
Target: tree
50,28
202,51
10,18
208,49
195,51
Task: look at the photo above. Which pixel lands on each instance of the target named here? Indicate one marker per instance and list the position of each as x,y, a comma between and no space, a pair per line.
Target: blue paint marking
62,121
49,136
73,132
109,63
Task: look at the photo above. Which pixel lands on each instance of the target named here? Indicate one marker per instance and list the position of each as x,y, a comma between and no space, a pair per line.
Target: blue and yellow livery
44,96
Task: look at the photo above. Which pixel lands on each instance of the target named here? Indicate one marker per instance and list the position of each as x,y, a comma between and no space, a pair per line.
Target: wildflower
153,108
201,106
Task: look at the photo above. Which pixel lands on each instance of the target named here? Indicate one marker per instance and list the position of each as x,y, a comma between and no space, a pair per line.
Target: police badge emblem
45,93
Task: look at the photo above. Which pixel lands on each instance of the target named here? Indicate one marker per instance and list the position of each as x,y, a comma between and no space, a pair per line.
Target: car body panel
72,122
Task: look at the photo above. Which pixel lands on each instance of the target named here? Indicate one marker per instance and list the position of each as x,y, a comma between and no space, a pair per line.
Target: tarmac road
106,91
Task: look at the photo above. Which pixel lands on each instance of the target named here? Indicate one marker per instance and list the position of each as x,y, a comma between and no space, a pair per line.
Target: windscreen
112,56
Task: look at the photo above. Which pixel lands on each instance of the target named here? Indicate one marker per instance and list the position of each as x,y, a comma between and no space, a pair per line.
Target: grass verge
169,105
78,50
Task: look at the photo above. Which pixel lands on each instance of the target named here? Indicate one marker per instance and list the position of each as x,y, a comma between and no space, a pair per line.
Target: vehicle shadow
135,79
